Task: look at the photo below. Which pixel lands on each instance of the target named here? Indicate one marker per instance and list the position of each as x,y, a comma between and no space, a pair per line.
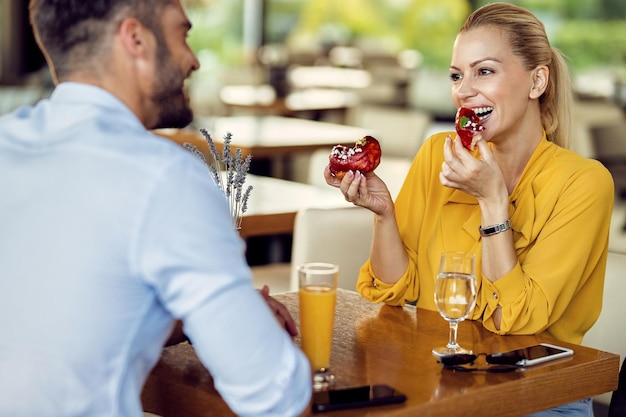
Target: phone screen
542,353
539,351
363,396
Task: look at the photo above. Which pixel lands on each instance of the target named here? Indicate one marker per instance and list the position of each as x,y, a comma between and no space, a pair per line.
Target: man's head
136,49
73,33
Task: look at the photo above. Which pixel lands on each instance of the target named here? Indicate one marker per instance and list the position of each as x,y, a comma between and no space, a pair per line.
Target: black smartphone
540,353
354,397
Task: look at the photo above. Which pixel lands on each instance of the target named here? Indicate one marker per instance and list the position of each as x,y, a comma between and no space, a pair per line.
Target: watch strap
495,229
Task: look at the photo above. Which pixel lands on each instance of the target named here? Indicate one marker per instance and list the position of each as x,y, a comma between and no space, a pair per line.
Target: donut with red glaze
364,156
468,127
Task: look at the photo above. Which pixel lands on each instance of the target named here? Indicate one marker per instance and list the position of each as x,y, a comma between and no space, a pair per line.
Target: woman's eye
484,71
455,77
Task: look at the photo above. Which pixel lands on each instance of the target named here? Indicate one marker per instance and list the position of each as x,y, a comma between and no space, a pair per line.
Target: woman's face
487,77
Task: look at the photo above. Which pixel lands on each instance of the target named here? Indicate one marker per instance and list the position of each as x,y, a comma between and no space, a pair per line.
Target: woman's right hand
363,190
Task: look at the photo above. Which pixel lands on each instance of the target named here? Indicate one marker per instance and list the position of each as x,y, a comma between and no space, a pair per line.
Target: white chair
608,333
392,170
339,235
400,131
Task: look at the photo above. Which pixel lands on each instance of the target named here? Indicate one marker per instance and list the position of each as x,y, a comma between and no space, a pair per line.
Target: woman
542,272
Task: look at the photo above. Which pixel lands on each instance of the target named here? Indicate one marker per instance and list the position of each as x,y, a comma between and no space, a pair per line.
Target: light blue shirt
107,234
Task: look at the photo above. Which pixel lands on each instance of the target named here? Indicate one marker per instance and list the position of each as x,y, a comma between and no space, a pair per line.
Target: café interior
289,106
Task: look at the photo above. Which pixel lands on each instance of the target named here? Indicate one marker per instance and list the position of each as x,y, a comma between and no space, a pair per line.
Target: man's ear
135,37
540,77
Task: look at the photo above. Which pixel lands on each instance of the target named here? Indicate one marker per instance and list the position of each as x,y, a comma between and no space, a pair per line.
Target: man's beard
169,95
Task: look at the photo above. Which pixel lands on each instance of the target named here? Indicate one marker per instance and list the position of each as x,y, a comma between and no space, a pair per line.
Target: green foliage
356,17
589,43
431,27
218,28
428,26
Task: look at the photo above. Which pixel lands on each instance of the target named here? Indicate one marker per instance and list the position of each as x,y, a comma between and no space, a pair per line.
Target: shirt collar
91,96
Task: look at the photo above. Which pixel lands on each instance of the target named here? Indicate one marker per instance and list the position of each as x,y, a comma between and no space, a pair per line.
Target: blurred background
403,44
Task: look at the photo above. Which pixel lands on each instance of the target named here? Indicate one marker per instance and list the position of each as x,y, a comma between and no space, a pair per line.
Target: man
108,234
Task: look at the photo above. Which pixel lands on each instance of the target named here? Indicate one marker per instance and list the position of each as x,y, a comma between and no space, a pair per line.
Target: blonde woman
535,214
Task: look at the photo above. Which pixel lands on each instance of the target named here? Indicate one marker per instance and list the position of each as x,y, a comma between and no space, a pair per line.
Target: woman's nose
465,88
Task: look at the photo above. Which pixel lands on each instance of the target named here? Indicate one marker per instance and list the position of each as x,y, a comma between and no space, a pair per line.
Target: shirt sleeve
189,252
562,249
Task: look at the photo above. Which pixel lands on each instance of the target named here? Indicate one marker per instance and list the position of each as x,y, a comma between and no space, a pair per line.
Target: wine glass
455,295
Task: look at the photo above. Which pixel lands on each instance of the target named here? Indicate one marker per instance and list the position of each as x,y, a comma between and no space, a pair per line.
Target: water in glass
455,295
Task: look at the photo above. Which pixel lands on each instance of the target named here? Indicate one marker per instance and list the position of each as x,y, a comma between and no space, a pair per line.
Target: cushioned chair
392,170
607,333
340,235
400,131
336,235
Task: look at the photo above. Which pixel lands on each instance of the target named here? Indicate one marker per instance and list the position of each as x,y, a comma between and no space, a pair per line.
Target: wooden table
272,137
269,136
376,344
310,103
273,204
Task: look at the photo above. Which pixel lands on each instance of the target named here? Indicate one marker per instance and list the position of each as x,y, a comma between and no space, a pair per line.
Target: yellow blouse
560,214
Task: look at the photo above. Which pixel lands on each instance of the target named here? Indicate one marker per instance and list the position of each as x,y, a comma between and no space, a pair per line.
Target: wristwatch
495,229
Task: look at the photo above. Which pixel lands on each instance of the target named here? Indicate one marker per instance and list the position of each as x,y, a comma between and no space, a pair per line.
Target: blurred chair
587,115
337,235
607,334
301,77
340,235
346,57
609,143
400,131
392,170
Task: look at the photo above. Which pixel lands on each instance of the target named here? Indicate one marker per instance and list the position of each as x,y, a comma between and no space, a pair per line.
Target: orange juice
317,313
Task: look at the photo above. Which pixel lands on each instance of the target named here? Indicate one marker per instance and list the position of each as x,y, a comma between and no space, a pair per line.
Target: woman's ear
540,76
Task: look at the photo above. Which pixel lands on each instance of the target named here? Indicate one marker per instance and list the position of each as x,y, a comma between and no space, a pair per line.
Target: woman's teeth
483,112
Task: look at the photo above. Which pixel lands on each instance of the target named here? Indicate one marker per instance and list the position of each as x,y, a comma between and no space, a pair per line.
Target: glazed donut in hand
363,157
468,127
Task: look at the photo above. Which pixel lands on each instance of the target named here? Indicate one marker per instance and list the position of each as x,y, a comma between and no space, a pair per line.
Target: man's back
107,234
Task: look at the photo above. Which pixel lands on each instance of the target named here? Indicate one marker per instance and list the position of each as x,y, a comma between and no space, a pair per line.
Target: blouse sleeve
562,243
409,213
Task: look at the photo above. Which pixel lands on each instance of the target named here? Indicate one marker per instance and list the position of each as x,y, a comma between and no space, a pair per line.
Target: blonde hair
528,39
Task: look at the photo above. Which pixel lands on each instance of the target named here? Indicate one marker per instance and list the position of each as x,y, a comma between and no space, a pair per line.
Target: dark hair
528,39
72,32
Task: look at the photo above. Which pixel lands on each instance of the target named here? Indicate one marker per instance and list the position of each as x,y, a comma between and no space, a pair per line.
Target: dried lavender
229,174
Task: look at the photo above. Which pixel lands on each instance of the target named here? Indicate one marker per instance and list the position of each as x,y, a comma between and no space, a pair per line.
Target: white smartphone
540,353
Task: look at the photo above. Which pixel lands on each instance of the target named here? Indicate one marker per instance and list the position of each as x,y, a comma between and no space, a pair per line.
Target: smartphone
540,353
354,397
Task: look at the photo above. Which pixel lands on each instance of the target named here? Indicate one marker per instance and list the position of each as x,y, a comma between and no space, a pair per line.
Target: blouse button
495,295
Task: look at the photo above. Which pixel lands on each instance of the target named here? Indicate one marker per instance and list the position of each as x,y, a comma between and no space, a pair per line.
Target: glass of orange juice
318,295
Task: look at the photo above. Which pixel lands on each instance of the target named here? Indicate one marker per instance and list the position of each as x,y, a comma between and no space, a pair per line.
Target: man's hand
280,311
